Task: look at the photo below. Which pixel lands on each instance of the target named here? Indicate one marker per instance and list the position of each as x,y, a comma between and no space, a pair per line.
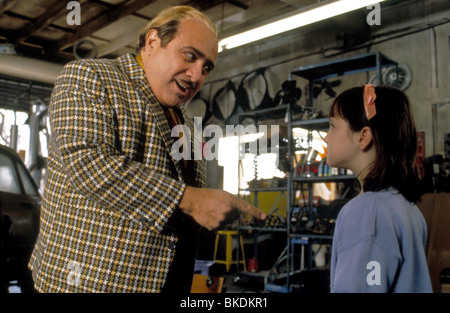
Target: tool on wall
247,96
224,102
228,101
327,86
289,93
398,76
199,107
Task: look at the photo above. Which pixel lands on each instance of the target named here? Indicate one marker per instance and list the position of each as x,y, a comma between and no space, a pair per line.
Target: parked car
20,203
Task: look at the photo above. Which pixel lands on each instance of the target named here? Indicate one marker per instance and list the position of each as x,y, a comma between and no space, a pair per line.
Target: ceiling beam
99,22
119,42
237,4
55,11
204,5
300,4
6,5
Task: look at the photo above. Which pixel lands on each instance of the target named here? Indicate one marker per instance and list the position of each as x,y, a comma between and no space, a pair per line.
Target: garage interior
288,80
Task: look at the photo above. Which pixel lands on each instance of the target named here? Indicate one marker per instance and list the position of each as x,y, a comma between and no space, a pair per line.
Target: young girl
380,235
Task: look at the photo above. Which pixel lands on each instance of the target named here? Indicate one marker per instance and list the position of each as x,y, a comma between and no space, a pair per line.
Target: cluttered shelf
355,64
274,112
314,124
251,228
323,179
263,189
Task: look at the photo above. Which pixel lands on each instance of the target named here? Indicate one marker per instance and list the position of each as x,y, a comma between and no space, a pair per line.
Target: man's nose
195,72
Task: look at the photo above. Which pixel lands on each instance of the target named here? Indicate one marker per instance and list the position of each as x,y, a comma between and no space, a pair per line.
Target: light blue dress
379,246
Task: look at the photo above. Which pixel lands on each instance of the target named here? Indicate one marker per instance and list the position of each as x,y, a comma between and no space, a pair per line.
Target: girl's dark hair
394,138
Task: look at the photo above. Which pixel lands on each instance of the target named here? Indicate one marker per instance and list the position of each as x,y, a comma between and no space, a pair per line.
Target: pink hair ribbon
369,101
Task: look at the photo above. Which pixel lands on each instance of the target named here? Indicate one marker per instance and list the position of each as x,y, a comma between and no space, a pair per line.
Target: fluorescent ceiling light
318,13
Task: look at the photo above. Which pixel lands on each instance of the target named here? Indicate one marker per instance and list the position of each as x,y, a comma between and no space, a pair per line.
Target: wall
415,32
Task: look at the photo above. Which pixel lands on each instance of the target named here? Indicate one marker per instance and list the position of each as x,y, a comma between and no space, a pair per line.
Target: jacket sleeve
83,127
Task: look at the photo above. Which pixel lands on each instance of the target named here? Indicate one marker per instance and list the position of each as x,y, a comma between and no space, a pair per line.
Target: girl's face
341,144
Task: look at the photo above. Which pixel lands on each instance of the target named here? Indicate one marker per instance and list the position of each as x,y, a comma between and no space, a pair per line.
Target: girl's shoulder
386,198
372,210
365,210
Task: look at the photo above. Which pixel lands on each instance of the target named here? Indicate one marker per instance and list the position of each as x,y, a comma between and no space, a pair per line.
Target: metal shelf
262,189
341,67
310,236
323,179
316,124
270,113
271,229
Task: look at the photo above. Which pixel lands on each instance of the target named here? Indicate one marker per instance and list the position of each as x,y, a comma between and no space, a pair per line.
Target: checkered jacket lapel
108,215
143,87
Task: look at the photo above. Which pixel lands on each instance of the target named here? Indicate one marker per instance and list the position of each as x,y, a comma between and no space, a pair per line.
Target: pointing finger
246,207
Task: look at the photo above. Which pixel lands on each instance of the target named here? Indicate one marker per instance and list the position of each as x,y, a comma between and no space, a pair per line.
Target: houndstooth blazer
109,214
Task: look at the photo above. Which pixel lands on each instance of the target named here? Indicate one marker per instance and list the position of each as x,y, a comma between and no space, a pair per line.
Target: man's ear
151,41
365,138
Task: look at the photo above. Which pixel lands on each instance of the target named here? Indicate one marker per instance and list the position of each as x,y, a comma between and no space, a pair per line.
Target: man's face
177,72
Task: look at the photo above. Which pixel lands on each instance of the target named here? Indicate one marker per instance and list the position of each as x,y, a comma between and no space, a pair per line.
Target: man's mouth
183,86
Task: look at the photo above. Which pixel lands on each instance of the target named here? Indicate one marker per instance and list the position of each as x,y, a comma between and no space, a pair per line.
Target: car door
19,205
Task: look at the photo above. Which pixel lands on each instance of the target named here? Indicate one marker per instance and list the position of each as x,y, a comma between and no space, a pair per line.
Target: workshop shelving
277,280
276,113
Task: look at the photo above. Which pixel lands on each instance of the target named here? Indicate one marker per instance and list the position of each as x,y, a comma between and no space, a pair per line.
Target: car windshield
9,181
12,174
28,185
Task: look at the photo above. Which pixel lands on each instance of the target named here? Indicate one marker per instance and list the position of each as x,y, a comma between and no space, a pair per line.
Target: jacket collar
137,75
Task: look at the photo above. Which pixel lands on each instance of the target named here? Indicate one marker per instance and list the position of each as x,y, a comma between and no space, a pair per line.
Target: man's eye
190,56
207,69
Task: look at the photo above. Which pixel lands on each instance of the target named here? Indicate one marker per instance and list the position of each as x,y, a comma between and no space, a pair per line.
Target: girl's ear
365,138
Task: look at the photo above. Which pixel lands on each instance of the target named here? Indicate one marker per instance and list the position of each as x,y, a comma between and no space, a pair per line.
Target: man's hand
209,207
